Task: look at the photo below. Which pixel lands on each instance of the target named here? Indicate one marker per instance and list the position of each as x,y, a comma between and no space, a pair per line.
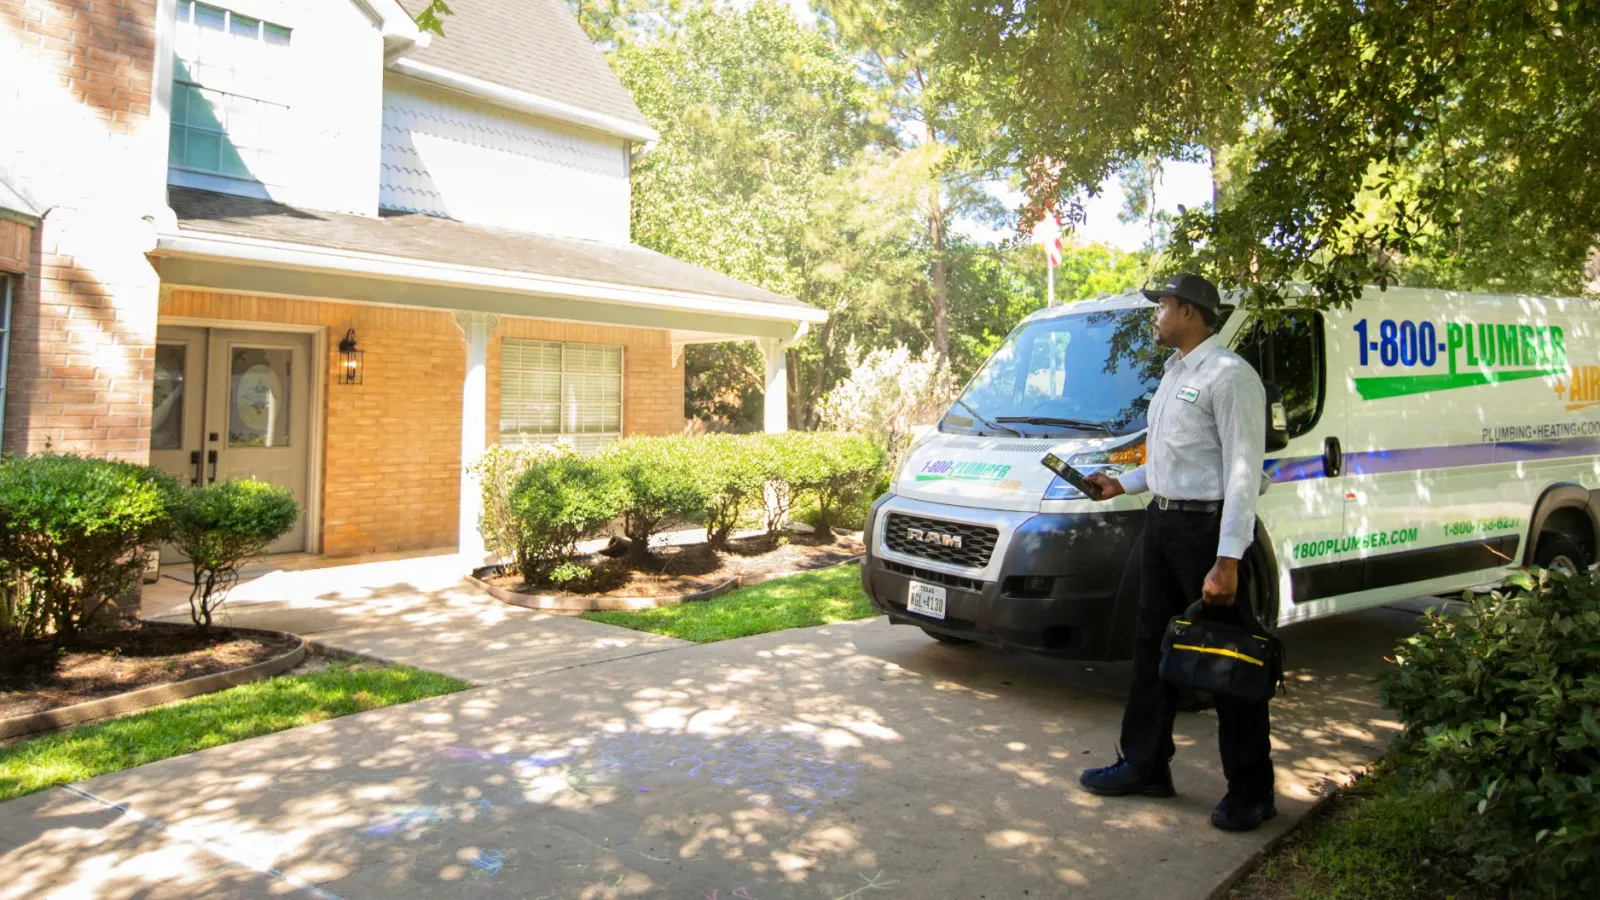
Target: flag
1047,234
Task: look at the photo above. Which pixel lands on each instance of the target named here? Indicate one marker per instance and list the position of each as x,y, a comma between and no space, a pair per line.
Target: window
5,342
550,391
228,104
1291,357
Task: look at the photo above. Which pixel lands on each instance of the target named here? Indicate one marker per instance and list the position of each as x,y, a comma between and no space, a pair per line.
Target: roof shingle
420,237
536,46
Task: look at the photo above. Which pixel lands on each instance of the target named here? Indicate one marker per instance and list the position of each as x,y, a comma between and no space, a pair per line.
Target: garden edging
571,606
156,695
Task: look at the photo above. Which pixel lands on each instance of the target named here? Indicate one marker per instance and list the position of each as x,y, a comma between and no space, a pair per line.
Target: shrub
734,477
499,470
1500,704
781,468
663,483
72,527
558,503
222,526
888,394
832,470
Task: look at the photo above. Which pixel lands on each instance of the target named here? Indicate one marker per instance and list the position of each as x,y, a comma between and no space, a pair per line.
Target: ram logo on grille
934,537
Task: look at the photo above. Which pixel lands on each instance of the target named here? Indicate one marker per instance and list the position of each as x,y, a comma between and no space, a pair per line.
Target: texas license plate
927,599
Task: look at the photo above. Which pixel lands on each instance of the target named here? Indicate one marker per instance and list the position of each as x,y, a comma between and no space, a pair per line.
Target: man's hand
1222,583
1107,486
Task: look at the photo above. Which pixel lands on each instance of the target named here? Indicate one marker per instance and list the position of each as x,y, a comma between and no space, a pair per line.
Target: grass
1379,840
232,715
800,601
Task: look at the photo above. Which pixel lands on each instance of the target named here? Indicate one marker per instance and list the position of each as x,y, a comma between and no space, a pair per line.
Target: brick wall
75,94
391,469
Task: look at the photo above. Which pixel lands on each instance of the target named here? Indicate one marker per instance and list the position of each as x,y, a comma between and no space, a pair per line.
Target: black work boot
1122,778
1239,812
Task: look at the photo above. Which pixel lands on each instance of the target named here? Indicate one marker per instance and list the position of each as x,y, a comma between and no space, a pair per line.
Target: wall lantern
351,359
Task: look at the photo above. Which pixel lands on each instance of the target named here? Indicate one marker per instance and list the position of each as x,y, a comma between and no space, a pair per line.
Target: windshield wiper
1057,420
975,414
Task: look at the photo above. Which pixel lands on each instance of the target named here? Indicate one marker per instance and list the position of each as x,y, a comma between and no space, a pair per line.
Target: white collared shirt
1206,439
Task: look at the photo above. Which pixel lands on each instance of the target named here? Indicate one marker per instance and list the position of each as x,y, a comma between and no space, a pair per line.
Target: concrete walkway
845,762
413,611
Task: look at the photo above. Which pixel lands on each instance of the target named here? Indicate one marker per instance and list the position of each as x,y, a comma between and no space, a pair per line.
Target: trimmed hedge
222,526
1500,705
661,482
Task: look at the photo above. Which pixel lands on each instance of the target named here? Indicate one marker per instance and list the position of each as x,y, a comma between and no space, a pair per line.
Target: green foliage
72,528
830,469
220,527
662,484
802,601
734,477
499,470
430,18
1352,143
211,721
1500,705
568,573
558,503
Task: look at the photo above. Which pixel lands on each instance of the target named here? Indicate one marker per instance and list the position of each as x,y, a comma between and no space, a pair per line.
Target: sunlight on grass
818,598
210,721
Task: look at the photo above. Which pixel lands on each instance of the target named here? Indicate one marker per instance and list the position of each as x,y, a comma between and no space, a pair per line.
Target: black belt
1199,506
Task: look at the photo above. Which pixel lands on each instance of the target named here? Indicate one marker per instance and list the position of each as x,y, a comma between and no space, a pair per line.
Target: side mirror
1277,419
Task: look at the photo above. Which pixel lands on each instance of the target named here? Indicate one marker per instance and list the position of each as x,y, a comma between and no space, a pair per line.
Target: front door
234,404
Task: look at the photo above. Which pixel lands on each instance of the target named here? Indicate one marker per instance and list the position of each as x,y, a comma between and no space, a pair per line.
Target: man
1207,435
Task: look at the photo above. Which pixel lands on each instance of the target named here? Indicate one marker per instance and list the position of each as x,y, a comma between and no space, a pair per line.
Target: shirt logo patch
1188,394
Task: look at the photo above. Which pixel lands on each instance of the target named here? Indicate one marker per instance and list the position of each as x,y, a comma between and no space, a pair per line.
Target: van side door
1302,512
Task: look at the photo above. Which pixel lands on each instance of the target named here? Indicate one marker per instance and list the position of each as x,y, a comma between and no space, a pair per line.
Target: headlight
1111,462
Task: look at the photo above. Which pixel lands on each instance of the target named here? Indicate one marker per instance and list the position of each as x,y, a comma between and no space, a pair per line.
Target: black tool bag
1238,660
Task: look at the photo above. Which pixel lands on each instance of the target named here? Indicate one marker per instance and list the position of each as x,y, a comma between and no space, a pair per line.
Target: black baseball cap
1186,286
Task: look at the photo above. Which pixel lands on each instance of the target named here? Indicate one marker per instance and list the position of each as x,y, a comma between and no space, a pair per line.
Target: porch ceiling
248,245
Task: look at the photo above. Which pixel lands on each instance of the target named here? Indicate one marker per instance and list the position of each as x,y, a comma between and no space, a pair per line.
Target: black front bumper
1085,610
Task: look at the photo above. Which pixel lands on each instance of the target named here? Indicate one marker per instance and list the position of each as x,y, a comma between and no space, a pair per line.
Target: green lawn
817,598
209,721
1380,840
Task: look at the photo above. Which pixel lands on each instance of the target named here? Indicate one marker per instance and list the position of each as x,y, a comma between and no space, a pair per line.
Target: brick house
299,240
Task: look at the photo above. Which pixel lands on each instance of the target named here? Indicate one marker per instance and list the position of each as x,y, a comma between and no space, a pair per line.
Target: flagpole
1050,282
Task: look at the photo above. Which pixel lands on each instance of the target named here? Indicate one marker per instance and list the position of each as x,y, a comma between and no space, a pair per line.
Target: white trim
301,256
527,102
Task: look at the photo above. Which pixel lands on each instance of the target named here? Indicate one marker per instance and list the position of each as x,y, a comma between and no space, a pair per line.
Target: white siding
448,155
333,88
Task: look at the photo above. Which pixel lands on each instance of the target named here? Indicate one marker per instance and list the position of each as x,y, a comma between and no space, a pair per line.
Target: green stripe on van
1405,385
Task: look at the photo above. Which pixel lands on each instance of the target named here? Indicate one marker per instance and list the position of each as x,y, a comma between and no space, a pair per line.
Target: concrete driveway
844,762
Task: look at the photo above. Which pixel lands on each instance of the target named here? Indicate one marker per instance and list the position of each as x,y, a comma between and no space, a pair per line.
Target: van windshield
1065,375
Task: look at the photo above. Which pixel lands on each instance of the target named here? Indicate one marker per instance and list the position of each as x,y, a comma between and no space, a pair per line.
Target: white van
1434,440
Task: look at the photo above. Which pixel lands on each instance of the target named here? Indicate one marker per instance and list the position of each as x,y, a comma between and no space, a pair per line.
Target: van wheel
945,638
1559,552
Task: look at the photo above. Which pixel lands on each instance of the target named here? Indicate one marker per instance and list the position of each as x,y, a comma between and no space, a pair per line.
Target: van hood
986,472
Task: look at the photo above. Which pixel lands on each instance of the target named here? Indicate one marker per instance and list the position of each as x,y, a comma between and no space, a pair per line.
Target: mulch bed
692,568
34,676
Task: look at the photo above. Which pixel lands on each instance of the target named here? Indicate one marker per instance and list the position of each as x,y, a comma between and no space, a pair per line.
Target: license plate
927,599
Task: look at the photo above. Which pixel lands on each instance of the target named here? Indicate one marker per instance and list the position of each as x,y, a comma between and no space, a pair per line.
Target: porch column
476,328
776,399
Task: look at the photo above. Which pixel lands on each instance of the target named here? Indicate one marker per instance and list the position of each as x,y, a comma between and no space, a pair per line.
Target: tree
614,23
1443,142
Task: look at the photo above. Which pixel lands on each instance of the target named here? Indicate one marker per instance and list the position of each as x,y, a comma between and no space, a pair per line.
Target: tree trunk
939,280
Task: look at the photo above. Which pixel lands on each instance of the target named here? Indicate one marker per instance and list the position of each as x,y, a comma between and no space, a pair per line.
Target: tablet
1070,475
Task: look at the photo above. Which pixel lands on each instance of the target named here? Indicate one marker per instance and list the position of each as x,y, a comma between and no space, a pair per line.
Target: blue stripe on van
1416,459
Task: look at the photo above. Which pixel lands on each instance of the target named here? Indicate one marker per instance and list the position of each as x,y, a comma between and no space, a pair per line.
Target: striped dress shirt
1206,439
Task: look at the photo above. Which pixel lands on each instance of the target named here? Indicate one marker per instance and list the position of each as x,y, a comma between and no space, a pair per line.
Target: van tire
945,638
1559,551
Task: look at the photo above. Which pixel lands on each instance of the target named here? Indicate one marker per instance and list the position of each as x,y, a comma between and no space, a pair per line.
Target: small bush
834,471
558,503
888,395
734,478
498,471
664,484
1500,706
222,526
73,527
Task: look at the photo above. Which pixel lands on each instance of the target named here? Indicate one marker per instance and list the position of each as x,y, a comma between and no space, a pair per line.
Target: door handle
211,457
1332,457
194,460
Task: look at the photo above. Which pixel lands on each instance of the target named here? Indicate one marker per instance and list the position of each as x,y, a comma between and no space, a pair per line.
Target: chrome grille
947,542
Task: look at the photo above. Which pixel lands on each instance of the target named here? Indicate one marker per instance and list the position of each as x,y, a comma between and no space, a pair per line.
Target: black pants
1179,548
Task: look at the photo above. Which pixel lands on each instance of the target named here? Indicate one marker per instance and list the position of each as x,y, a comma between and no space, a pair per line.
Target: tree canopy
1448,142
